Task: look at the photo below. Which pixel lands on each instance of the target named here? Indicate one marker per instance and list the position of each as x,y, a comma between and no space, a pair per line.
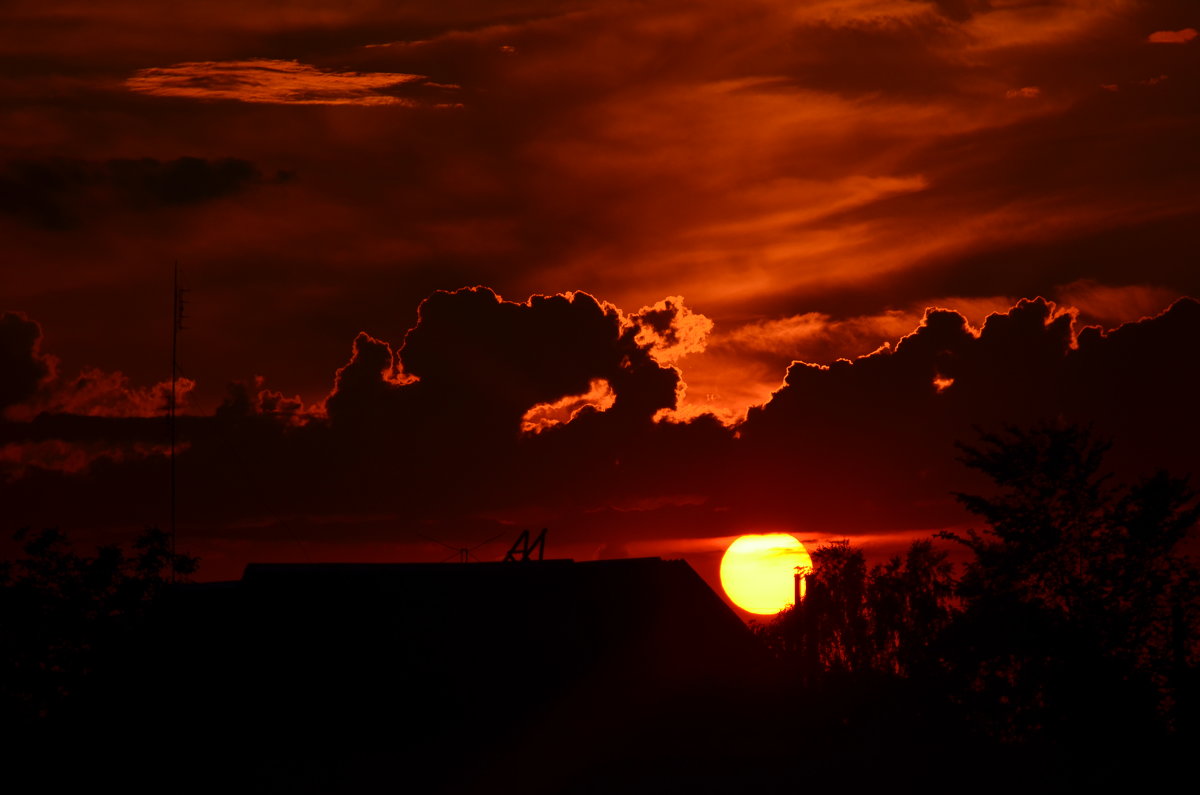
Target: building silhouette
534,676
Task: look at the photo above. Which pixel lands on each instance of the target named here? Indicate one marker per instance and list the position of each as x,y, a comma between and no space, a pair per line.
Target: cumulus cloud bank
492,412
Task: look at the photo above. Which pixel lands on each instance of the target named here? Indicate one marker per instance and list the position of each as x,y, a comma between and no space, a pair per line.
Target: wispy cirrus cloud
1027,92
834,159
1172,36
276,82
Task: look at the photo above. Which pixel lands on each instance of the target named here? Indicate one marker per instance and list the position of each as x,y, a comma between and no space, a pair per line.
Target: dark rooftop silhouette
448,666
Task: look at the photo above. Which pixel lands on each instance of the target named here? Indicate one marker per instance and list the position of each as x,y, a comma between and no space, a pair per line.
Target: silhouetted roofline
255,571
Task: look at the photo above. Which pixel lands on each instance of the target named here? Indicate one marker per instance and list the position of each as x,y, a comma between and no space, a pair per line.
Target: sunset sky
694,194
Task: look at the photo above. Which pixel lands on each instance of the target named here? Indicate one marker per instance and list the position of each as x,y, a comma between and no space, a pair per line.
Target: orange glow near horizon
758,571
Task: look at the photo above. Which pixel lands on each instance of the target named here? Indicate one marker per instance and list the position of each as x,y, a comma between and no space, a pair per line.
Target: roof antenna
525,549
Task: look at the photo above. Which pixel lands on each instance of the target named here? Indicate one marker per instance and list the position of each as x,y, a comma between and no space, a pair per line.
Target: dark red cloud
1172,36
33,385
64,192
474,360
269,81
810,176
428,440
428,428
870,443
23,367
765,161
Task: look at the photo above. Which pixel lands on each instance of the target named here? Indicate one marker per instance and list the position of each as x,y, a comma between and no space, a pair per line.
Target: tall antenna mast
177,317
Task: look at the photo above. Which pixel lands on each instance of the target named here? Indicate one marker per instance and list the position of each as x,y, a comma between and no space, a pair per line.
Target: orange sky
777,181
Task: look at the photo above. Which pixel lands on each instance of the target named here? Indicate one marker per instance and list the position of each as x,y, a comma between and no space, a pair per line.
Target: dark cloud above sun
557,409
646,266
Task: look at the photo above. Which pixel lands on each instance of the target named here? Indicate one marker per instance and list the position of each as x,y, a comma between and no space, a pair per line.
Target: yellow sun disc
758,572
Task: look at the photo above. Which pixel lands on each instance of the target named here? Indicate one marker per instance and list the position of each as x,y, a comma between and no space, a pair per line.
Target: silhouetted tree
856,619
65,616
1078,605
837,617
910,602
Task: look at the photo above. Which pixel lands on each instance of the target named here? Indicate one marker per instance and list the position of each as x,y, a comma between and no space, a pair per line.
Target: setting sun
758,571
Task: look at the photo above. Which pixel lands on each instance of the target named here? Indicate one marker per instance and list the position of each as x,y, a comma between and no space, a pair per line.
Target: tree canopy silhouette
1072,628
857,618
68,620
1080,609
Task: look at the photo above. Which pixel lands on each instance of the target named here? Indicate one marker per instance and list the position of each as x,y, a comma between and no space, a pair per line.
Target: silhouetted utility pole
177,317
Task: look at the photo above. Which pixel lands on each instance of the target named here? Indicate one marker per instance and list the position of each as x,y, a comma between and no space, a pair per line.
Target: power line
463,554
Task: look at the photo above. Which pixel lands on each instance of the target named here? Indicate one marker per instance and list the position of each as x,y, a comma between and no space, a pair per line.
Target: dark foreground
551,677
